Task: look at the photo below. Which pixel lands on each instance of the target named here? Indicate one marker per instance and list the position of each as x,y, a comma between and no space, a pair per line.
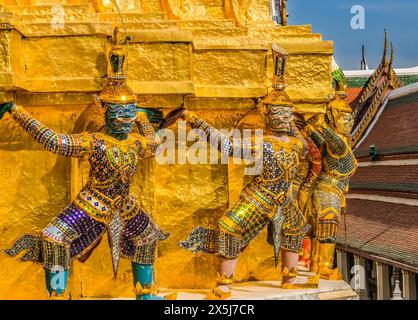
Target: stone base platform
270,290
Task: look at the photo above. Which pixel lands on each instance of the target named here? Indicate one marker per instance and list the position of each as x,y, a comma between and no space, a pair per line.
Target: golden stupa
53,60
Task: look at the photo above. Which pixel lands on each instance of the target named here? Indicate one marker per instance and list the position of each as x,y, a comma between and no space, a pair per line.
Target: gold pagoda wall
216,50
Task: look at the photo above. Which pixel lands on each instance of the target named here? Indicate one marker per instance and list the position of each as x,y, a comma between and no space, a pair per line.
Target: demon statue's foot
223,289
145,294
221,292
56,284
171,296
326,262
329,274
291,280
143,283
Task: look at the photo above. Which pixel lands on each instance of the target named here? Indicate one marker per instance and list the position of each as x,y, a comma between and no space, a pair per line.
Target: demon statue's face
342,121
279,118
120,118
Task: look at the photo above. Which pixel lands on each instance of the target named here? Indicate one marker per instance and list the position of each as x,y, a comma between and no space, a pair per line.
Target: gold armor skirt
243,222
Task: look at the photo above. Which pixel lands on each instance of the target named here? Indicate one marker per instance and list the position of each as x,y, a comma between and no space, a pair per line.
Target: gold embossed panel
50,62
159,62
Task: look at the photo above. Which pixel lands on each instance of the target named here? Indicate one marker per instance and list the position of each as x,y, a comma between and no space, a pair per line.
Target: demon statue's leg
142,279
56,282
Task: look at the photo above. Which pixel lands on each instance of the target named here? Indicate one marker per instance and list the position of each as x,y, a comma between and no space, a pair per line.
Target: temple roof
357,81
359,78
382,231
382,204
368,91
394,127
367,94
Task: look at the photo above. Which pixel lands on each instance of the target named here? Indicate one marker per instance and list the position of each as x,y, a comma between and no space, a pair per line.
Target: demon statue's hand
298,121
5,107
173,116
316,121
155,116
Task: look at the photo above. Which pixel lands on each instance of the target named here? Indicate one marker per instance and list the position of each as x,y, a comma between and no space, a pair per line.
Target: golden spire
283,13
392,54
391,72
278,96
385,50
363,64
116,90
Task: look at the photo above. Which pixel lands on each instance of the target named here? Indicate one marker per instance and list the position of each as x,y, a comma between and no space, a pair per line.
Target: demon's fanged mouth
125,120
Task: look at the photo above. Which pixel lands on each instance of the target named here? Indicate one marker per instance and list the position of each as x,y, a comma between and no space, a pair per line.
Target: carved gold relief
109,5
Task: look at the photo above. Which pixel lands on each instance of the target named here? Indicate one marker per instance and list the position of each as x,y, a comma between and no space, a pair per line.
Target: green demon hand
154,115
178,113
173,116
5,107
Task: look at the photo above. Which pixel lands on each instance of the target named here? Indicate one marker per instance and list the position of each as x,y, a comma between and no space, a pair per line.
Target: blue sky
332,18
